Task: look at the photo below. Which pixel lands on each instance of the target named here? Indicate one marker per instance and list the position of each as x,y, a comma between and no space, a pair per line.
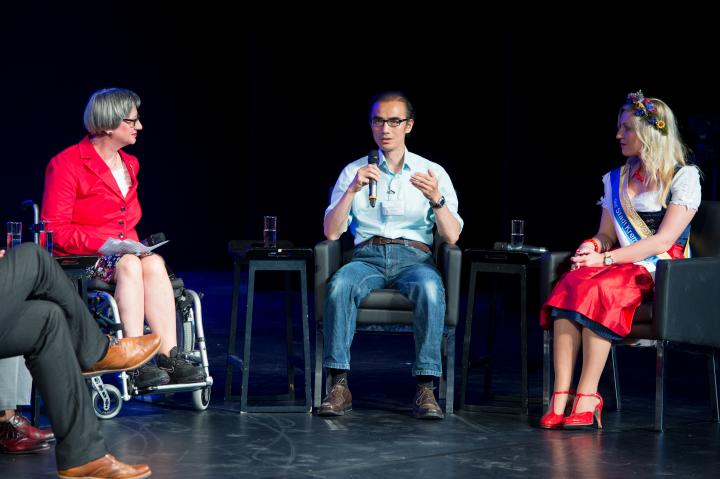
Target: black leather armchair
389,311
685,312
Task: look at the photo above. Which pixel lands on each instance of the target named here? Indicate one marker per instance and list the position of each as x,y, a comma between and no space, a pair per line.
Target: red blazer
82,202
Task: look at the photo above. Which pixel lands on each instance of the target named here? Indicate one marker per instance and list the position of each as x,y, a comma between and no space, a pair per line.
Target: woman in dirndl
646,212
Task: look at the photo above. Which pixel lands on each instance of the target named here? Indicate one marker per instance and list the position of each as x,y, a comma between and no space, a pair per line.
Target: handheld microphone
373,159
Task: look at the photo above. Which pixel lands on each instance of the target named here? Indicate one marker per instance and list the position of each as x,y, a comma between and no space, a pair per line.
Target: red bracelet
595,243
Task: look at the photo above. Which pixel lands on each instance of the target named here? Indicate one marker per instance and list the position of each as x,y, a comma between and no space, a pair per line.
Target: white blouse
122,177
684,190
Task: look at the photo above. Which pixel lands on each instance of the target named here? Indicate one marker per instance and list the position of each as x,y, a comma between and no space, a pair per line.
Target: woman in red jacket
90,196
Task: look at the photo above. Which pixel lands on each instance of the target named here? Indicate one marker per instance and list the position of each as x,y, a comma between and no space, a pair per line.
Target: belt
379,240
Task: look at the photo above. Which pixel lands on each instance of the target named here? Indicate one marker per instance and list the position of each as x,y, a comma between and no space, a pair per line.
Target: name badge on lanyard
393,208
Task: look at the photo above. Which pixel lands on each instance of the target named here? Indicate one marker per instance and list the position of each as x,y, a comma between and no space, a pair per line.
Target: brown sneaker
126,353
338,400
107,467
424,405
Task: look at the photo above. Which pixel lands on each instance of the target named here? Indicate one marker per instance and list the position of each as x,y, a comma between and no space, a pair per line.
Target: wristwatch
439,204
608,260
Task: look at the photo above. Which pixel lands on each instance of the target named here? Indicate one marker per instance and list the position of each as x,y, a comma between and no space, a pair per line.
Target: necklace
639,176
115,161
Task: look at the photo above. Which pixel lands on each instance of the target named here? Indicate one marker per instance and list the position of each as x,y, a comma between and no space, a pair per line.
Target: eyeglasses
131,121
392,122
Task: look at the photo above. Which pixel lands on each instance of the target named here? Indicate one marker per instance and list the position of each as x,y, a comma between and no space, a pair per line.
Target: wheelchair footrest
172,388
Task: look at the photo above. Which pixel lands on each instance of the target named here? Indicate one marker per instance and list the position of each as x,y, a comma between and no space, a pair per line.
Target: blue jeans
405,268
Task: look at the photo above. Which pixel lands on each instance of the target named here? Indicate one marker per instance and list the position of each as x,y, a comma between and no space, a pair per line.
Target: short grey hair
107,108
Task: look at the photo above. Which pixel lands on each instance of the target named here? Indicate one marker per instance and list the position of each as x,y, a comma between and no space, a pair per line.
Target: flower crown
645,108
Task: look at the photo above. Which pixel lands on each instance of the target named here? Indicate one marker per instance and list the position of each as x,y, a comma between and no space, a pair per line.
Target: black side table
286,259
503,262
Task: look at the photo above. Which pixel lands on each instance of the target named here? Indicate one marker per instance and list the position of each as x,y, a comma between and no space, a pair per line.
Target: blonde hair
661,154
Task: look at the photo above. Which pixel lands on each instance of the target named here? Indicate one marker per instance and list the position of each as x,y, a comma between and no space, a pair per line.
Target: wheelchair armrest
327,262
686,307
449,262
552,265
76,261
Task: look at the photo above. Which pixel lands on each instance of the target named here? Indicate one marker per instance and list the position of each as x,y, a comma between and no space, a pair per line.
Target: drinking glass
270,231
14,234
517,234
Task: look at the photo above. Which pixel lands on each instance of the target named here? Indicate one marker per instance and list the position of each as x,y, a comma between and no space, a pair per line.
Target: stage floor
220,443
379,438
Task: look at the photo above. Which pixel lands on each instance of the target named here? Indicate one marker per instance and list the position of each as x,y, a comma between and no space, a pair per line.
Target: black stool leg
306,338
248,338
713,384
450,372
231,351
524,341
547,367
490,343
615,377
468,336
289,334
660,376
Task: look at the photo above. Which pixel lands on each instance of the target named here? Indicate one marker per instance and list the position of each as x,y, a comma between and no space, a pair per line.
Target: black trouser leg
39,331
29,272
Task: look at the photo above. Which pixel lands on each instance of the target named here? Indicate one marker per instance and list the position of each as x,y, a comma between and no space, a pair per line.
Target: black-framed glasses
393,122
131,121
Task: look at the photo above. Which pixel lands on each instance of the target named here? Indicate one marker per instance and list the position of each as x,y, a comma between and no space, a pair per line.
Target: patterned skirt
104,267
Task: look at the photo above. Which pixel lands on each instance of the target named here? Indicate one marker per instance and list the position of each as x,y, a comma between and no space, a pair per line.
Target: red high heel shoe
552,420
587,418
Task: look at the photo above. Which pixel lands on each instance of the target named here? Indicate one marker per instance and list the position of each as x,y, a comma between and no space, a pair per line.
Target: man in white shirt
392,249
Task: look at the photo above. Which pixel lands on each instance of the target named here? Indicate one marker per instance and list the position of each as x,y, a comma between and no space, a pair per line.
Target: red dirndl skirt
607,295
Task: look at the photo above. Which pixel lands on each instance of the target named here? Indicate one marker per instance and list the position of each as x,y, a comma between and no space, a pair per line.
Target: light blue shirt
418,219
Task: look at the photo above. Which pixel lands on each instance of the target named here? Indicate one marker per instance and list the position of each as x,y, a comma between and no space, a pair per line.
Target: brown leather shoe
13,441
23,425
424,405
126,353
338,400
107,467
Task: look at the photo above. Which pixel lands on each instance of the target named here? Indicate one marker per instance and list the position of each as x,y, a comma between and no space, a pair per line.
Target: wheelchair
107,399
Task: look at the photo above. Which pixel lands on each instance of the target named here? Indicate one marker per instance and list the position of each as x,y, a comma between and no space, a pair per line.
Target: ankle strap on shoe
578,396
596,395
563,392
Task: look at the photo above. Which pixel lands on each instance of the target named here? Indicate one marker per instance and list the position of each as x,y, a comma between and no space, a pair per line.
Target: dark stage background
247,114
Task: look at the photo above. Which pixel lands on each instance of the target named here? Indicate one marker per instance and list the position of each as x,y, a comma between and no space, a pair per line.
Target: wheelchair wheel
201,398
113,408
